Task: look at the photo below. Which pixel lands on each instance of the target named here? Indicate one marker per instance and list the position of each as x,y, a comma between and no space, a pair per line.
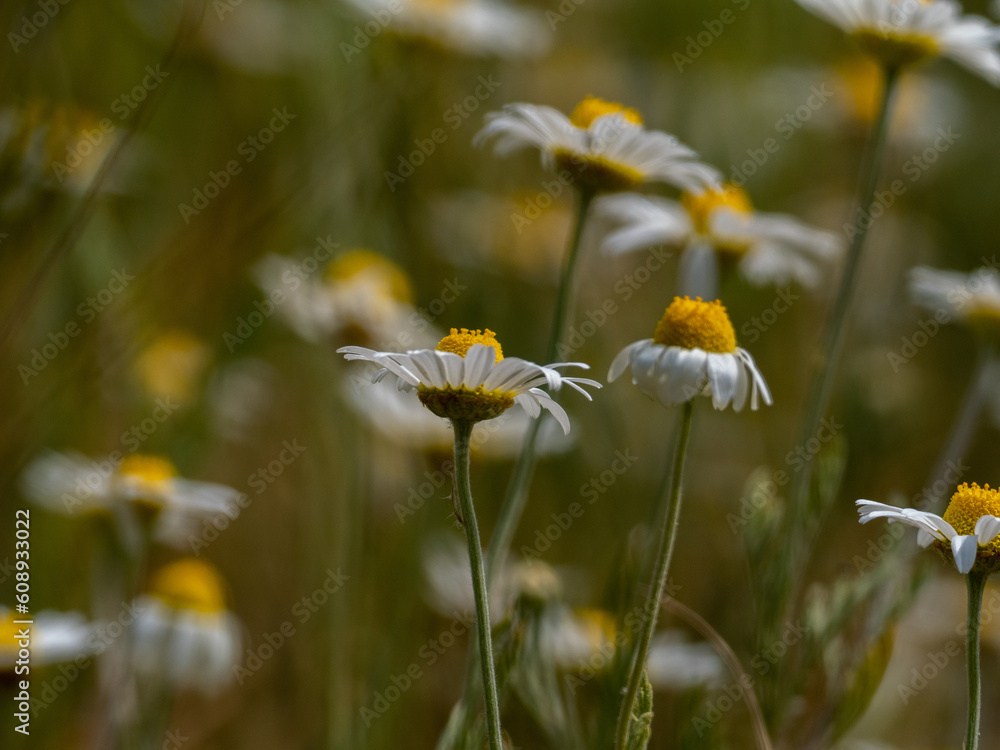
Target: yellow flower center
171,365
599,626
467,404
370,267
459,341
970,503
694,324
146,478
984,320
701,205
8,630
189,584
591,108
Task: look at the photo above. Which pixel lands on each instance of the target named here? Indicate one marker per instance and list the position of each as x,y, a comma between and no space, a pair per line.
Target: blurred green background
347,123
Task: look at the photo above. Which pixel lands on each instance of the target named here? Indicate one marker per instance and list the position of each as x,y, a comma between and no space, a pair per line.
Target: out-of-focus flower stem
668,536
836,329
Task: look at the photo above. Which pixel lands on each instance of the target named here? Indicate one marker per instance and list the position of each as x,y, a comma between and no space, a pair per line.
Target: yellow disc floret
701,205
189,584
146,479
970,503
370,267
694,324
458,341
591,108
984,319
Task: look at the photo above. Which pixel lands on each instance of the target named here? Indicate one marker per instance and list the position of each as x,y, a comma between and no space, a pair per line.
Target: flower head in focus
466,377
693,352
967,532
903,32
603,146
183,635
719,227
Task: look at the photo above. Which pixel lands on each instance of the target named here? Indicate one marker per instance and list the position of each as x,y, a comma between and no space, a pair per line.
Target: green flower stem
977,586
836,329
517,491
964,426
668,536
463,431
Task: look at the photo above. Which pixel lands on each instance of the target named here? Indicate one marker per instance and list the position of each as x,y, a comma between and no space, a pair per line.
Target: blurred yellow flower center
146,478
599,626
189,584
985,319
371,267
171,365
591,108
970,503
694,324
701,205
8,630
459,341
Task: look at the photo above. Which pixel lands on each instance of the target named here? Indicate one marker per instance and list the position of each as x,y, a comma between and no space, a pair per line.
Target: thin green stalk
836,328
964,426
977,585
463,432
517,491
668,536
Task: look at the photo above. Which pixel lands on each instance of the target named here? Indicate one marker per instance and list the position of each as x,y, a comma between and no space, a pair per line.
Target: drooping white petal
723,373
624,359
964,549
987,529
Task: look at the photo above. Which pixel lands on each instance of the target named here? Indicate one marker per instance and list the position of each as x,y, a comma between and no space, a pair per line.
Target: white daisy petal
987,529
964,549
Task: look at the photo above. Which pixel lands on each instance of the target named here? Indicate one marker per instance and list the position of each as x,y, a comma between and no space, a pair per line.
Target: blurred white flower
676,664
467,377
574,639
360,297
717,226
903,33
601,145
55,637
183,634
972,298
449,581
148,485
693,353
470,27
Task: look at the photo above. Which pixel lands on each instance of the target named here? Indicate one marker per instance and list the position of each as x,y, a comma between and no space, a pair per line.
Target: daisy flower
471,27
972,298
676,664
720,227
903,33
602,146
183,634
149,486
968,532
361,297
693,352
466,377
56,637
